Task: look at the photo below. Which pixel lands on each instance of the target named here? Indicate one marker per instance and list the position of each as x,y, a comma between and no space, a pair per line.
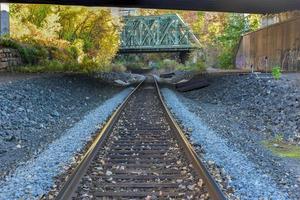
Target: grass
55,66
46,68
282,148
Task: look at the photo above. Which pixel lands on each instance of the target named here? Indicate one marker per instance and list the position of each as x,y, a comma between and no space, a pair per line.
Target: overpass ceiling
241,6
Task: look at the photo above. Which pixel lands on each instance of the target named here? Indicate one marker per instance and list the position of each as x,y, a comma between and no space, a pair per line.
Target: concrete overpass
241,6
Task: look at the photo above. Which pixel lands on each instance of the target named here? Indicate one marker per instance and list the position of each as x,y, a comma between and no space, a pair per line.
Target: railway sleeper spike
141,152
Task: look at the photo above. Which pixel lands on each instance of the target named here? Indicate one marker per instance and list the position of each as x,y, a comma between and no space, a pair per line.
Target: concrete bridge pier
4,19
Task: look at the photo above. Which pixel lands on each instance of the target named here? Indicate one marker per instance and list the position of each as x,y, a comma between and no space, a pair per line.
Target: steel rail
72,182
70,186
214,190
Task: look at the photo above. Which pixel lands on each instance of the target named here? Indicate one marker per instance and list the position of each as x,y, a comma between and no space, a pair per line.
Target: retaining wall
9,58
276,45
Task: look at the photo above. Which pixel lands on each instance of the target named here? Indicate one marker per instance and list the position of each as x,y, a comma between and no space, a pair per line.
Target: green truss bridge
163,33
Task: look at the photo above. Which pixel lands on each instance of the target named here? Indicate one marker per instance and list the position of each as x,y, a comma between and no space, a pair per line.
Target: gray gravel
120,78
273,106
247,110
247,178
35,177
10,77
35,112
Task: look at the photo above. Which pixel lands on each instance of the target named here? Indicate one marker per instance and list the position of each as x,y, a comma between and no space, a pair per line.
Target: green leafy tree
237,24
88,35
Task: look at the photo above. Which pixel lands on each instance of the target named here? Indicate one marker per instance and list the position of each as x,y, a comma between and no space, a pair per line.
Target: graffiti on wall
242,61
290,60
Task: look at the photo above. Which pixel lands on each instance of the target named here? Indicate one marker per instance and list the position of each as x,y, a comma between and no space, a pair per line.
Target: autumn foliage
71,35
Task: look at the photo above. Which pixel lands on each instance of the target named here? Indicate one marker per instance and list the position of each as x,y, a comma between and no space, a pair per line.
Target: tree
91,33
236,26
218,33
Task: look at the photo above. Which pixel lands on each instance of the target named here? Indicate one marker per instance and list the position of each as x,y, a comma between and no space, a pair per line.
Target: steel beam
163,33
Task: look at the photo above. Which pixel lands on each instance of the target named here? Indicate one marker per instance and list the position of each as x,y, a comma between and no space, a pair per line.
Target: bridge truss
163,33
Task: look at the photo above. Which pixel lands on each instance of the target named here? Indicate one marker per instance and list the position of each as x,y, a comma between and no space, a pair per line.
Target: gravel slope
246,110
273,106
35,177
248,181
35,112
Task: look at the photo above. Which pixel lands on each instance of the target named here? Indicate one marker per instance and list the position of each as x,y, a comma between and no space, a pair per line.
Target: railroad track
141,153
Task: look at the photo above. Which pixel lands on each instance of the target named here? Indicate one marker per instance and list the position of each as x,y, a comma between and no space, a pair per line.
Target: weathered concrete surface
238,6
4,19
276,45
279,17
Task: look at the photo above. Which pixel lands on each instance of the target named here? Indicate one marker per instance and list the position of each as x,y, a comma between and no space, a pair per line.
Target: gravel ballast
35,177
250,110
248,180
258,102
34,112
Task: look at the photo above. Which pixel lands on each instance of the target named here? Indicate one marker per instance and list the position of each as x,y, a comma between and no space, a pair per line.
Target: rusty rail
71,184
214,190
131,150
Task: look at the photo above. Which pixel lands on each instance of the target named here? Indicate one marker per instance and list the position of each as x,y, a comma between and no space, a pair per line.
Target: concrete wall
9,58
276,45
270,19
4,19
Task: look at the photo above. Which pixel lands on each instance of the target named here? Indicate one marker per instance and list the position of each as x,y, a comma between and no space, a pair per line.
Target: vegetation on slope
218,33
61,38
282,148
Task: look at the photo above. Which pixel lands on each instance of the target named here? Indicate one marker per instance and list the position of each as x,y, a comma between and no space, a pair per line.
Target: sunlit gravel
35,177
248,181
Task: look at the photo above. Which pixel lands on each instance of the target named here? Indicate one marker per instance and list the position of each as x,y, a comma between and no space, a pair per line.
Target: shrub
30,53
89,66
226,60
33,54
134,65
4,42
73,67
276,72
73,51
117,67
56,66
198,66
169,64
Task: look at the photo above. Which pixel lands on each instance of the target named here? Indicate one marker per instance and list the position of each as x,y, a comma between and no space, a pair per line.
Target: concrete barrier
276,45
